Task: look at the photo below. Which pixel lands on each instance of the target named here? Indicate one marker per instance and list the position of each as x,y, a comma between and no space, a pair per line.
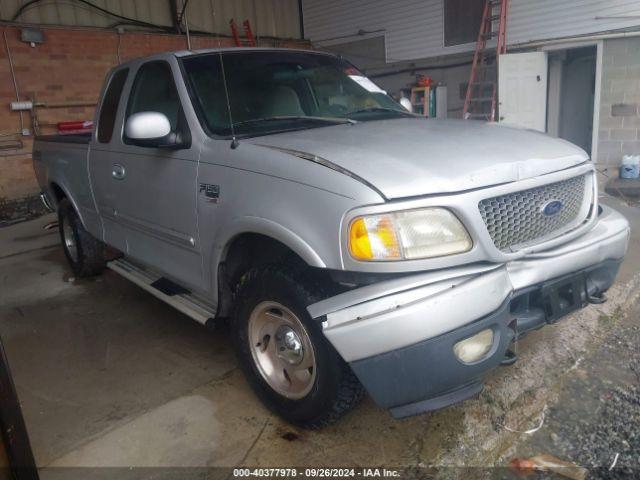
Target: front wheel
283,352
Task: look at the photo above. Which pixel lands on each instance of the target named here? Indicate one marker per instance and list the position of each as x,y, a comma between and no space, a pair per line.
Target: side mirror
153,130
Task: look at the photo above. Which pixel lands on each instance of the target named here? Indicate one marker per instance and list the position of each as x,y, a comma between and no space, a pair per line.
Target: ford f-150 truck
349,244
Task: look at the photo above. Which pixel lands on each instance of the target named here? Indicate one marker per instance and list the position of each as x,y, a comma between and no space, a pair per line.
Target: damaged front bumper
398,335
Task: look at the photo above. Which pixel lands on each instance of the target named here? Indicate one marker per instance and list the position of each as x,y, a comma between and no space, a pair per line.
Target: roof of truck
188,53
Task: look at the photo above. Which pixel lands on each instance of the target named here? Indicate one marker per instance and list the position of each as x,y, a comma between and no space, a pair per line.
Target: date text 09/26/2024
316,472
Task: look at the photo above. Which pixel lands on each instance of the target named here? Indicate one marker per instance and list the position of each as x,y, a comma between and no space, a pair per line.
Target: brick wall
68,67
619,131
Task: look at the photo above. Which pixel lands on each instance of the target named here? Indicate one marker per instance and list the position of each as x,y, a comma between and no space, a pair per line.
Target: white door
522,89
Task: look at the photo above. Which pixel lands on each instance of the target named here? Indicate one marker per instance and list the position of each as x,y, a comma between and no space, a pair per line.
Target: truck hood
410,157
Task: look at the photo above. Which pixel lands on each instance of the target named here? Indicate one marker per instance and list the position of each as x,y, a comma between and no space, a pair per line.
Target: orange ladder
482,90
251,39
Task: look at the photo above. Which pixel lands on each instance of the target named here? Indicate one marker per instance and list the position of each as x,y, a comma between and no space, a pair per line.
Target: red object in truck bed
72,128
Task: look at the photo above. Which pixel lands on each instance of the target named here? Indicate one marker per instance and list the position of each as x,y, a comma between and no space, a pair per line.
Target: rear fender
67,194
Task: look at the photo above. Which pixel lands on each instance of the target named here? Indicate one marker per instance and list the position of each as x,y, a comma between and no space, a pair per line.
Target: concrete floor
109,376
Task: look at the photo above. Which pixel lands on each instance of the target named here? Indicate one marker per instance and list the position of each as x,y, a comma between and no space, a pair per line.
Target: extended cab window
154,90
109,107
270,92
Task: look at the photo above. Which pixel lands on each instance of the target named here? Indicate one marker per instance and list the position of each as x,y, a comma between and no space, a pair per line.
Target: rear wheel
283,352
86,255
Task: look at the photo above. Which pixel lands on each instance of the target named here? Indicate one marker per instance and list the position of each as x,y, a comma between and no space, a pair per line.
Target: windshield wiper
381,109
332,120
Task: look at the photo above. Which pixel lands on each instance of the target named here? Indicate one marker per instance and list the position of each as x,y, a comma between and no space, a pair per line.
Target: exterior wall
549,19
452,77
72,13
619,129
68,67
414,28
275,18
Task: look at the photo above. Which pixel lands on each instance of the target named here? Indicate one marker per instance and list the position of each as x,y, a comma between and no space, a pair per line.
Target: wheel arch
273,230
60,192
57,191
251,242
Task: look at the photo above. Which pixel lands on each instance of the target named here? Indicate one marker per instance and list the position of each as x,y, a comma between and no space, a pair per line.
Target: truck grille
517,218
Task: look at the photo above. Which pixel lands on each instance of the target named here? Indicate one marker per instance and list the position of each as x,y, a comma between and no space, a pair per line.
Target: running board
182,300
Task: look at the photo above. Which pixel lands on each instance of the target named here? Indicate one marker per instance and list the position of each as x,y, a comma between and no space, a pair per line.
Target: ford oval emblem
551,208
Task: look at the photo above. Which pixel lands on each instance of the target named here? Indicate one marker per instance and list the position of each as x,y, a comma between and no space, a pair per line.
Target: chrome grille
516,218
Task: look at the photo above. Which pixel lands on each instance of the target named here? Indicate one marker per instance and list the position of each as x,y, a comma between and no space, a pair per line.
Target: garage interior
113,383
573,74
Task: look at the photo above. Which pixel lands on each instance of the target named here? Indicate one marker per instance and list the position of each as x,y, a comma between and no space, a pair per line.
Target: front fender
269,228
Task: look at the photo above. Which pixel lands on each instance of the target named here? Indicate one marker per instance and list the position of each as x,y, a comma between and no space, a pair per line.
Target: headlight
407,235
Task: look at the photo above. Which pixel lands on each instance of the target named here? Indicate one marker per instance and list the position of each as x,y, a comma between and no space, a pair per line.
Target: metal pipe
64,104
215,24
255,22
578,38
45,202
359,33
119,34
186,23
301,19
13,76
173,8
16,154
618,17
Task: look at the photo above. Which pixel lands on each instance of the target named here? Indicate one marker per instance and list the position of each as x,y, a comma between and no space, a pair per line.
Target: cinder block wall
619,130
68,67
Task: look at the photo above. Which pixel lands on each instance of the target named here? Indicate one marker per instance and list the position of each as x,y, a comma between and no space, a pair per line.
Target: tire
86,255
266,299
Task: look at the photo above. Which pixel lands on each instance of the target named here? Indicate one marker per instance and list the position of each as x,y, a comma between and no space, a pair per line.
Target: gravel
597,415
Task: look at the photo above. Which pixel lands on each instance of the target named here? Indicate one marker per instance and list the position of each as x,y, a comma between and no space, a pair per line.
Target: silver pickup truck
349,244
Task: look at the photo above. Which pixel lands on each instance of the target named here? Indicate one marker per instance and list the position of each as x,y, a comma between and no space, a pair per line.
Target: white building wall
532,20
414,29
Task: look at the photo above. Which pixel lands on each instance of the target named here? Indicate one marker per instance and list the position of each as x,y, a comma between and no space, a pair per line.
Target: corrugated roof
269,18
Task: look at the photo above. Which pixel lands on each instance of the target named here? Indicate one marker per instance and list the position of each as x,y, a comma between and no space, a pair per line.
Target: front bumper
398,335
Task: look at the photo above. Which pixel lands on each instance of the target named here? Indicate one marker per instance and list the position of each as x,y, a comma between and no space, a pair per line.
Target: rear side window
110,103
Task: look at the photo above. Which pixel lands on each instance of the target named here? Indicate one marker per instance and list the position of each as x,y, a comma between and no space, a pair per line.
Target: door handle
117,171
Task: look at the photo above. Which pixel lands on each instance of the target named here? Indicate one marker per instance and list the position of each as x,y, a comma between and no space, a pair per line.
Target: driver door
156,204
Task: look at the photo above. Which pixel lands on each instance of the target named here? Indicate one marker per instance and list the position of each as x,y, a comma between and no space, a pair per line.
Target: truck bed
82,138
60,164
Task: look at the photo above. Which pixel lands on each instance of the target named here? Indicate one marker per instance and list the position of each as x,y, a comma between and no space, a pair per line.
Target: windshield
276,91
